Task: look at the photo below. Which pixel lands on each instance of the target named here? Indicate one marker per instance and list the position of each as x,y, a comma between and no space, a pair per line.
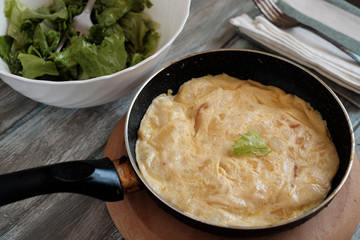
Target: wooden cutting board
139,217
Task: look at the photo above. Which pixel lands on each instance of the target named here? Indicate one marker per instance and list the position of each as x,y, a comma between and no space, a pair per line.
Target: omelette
185,151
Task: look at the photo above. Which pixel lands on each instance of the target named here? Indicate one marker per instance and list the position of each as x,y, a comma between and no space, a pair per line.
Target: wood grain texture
138,216
33,134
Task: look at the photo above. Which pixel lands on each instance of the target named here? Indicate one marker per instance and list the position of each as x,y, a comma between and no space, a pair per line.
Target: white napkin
305,47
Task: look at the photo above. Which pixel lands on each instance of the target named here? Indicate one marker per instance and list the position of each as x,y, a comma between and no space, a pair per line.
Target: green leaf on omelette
250,143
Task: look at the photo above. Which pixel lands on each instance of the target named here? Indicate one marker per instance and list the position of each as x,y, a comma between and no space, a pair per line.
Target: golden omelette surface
184,152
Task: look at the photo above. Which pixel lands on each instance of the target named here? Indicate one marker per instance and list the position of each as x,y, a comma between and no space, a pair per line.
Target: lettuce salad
122,36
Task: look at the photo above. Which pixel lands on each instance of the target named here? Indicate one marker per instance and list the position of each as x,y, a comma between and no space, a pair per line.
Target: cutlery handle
354,56
89,6
95,178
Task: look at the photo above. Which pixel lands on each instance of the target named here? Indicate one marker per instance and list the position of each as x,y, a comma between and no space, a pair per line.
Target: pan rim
304,216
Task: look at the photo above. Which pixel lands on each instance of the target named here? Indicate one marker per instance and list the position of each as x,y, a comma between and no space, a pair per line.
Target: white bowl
171,14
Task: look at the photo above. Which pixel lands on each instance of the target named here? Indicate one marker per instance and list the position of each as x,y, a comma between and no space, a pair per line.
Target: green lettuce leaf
45,41
148,3
8,56
139,5
40,40
134,29
250,143
57,10
113,10
5,47
14,12
94,60
150,43
140,33
98,32
34,66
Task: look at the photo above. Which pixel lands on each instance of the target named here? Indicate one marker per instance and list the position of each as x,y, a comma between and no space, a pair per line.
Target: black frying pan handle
95,178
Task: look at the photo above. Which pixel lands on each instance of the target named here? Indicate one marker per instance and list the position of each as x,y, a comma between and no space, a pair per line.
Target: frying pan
100,178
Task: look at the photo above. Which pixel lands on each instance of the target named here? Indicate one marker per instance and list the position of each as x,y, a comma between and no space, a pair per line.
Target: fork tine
286,20
273,13
270,14
62,42
264,10
279,20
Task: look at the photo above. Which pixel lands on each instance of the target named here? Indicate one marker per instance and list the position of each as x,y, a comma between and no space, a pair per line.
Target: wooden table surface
34,134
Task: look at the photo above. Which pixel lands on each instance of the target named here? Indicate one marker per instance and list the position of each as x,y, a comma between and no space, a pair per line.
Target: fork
82,23
269,9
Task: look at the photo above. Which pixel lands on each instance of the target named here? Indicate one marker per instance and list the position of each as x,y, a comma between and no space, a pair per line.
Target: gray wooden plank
14,108
78,216
208,25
